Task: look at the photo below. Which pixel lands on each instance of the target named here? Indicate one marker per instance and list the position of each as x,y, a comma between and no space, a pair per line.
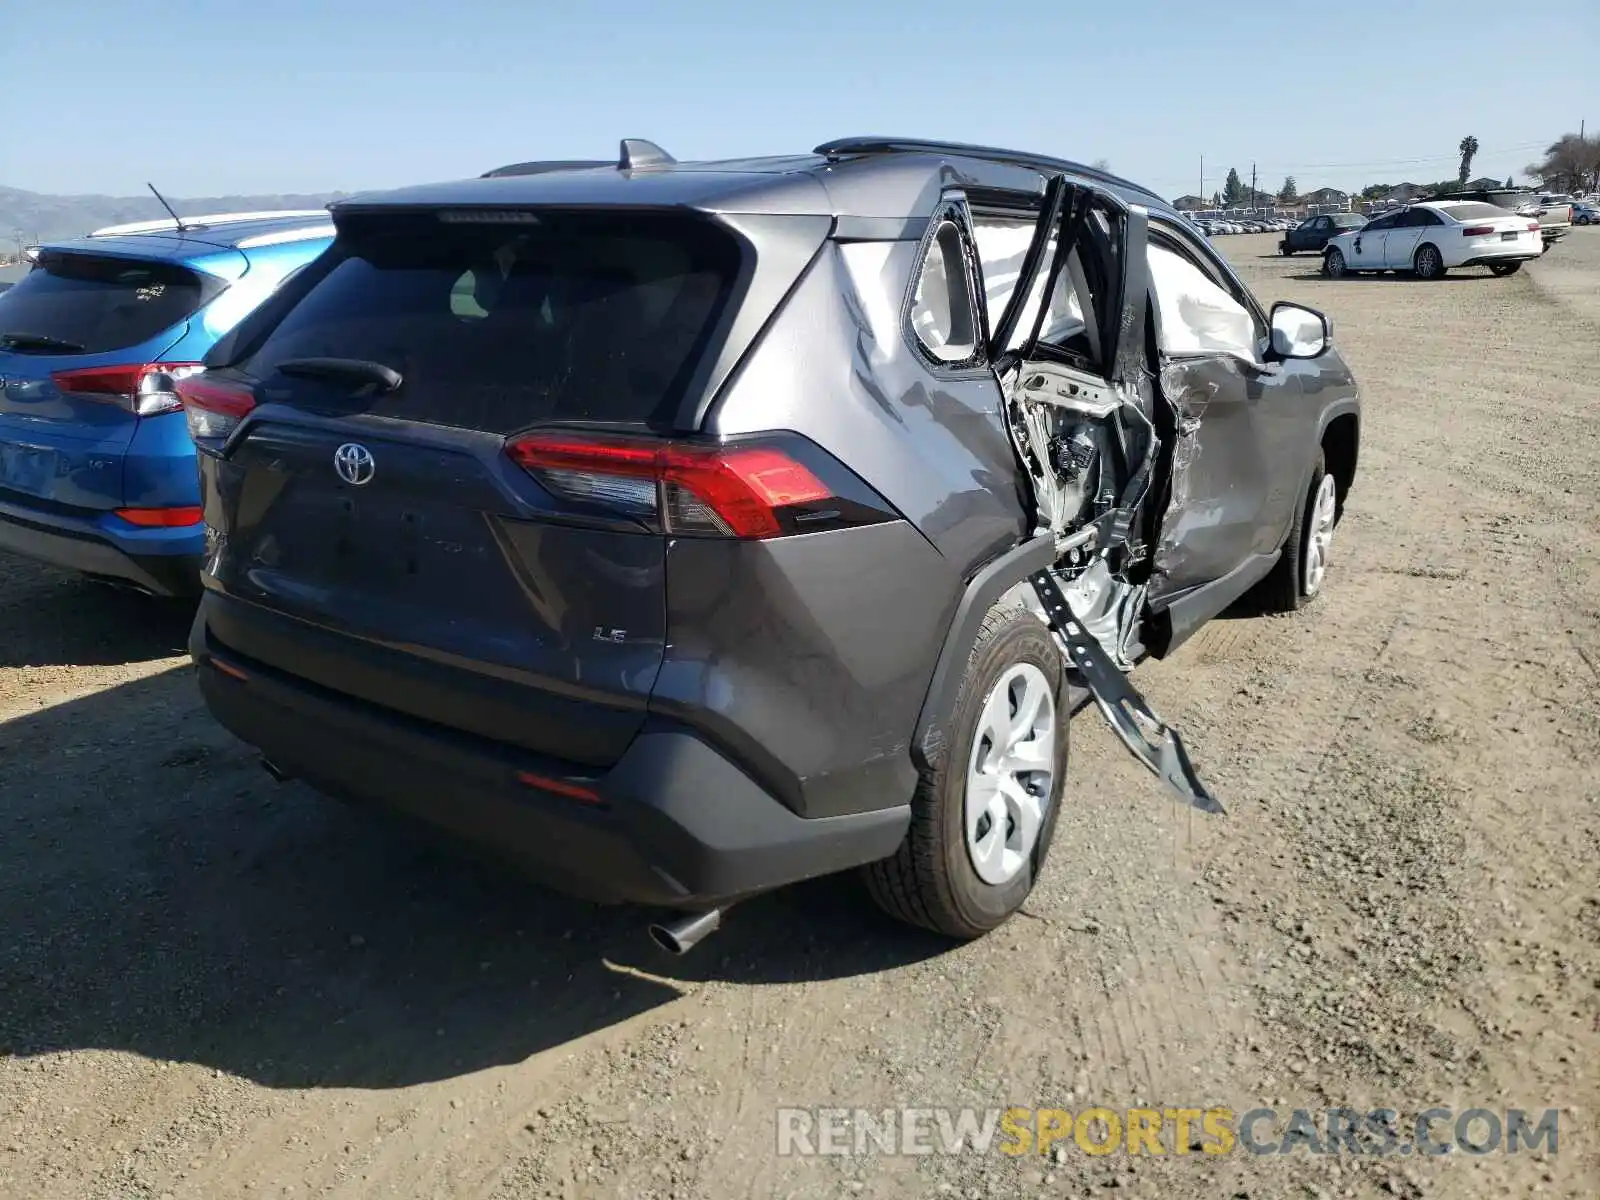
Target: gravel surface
215,986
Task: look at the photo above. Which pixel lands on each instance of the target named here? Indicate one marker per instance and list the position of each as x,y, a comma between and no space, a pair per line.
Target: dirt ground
215,986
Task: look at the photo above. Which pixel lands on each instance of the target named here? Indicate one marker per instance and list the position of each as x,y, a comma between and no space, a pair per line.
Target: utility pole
1252,187
1202,181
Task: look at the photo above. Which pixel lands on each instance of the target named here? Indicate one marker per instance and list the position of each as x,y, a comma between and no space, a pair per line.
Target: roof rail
851,146
201,222
284,237
636,154
541,168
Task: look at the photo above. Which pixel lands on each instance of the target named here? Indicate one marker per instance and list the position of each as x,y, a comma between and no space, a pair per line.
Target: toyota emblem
354,463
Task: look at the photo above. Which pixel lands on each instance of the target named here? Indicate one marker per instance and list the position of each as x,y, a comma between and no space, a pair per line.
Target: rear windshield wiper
37,341
353,370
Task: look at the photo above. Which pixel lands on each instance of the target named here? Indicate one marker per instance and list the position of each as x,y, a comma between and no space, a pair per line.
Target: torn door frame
1096,629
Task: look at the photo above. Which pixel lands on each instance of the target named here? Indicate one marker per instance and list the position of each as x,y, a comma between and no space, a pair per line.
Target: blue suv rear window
92,304
593,317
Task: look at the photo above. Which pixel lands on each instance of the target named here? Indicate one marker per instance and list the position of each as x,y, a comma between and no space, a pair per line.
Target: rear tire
1301,570
1503,269
961,829
1428,263
1333,264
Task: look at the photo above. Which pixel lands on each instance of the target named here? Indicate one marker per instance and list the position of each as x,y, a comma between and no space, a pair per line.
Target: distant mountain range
35,216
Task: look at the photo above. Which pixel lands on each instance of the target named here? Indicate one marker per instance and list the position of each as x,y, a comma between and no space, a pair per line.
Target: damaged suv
685,530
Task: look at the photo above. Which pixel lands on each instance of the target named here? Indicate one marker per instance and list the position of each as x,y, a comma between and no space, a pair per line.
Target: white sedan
1429,239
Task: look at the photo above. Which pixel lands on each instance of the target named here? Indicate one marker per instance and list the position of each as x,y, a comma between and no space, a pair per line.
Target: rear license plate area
1508,237
378,541
27,469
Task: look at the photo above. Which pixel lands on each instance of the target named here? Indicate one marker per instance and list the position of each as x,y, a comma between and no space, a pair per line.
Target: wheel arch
1340,439
930,740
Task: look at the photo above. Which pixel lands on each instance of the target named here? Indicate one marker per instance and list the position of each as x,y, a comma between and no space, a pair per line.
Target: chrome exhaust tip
684,934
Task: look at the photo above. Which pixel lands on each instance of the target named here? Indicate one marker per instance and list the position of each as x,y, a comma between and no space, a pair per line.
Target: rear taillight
1477,231
750,489
214,407
147,389
1534,226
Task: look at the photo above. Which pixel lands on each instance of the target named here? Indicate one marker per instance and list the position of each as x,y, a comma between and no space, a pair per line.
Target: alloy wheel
1319,536
1010,774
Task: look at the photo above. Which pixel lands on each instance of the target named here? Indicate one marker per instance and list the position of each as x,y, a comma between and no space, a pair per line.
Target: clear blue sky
213,96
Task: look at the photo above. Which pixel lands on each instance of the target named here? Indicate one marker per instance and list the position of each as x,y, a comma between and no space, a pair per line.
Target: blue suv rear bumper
163,561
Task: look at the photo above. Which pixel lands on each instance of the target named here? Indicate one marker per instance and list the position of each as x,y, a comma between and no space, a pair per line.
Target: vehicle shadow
161,895
56,619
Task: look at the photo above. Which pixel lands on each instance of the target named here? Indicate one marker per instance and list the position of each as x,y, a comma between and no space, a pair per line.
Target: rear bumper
676,823
163,561
1510,254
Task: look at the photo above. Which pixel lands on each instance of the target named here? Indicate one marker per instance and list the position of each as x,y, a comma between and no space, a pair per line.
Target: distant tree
1233,188
1374,190
1289,193
1469,150
1511,181
1571,164
1216,199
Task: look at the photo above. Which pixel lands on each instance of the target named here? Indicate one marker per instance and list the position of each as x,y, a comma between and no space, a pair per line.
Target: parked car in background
1554,213
1312,234
1584,213
532,493
97,471
1431,238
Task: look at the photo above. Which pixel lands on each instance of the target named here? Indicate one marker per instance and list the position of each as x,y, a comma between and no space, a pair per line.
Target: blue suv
97,470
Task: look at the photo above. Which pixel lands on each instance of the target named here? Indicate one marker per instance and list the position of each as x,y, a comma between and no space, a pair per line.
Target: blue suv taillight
146,389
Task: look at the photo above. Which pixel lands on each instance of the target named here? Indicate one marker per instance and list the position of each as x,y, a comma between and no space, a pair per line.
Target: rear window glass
575,316
1473,211
1349,220
90,304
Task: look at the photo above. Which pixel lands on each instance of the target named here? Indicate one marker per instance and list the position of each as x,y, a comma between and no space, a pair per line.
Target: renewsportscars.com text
1099,1131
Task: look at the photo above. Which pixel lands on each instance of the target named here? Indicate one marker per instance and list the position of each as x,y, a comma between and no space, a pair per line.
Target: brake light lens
1533,226
161,518
758,489
1477,231
559,787
214,407
147,389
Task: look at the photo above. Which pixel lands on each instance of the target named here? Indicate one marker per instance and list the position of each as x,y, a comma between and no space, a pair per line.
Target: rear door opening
449,465
1070,351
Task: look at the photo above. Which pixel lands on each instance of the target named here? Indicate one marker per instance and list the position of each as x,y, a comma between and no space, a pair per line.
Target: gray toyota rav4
683,530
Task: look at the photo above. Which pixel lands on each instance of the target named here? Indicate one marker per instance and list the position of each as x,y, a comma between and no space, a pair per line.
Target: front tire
1302,569
982,820
1428,263
1333,264
1503,269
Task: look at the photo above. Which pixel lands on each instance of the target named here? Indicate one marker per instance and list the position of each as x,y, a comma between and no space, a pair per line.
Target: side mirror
1299,332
